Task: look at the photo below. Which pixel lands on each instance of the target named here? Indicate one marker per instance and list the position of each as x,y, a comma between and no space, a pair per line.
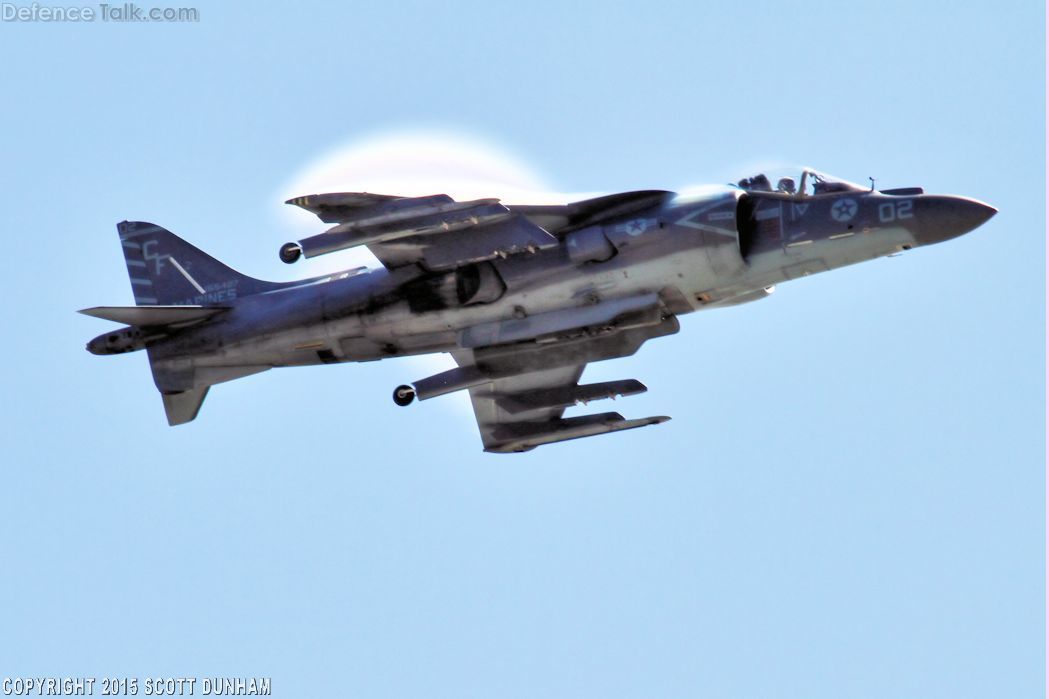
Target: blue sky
848,503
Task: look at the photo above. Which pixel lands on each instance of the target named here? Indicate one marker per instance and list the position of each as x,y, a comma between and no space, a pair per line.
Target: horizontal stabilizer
153,316
524,436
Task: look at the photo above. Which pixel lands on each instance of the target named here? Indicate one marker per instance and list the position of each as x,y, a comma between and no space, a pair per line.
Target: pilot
786,184
761,184
744,183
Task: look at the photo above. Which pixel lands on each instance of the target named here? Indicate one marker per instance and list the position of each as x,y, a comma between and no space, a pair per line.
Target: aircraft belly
688,266
700,274
851,249
811,257
397,330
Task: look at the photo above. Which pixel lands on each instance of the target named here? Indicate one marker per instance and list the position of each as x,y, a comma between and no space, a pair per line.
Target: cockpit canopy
811,183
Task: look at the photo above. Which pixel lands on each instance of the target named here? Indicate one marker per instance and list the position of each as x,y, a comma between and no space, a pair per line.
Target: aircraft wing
440,233
524,411
436,232
523,373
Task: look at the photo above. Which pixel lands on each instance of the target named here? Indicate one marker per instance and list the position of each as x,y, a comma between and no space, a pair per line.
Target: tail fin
182,407
183,386
166,270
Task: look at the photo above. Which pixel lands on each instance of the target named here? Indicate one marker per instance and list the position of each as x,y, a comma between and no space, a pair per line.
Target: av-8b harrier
523,297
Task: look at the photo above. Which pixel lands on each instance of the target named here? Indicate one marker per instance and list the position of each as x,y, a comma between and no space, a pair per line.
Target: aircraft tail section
176,287
166,270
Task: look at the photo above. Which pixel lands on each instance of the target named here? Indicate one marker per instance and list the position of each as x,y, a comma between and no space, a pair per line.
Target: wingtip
94,312
303,200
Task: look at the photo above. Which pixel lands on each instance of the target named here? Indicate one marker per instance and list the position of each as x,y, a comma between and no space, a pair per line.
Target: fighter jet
523,297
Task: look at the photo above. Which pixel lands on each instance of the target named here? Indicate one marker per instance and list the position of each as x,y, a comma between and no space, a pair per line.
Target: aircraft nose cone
941,218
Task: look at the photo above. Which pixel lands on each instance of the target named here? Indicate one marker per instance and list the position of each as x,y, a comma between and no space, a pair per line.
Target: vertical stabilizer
183,407
166,270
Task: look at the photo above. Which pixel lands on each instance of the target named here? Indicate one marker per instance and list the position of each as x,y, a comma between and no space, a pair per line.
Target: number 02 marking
893,210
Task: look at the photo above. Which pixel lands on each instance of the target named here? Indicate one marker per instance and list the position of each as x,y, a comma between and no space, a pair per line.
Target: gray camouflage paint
523,297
